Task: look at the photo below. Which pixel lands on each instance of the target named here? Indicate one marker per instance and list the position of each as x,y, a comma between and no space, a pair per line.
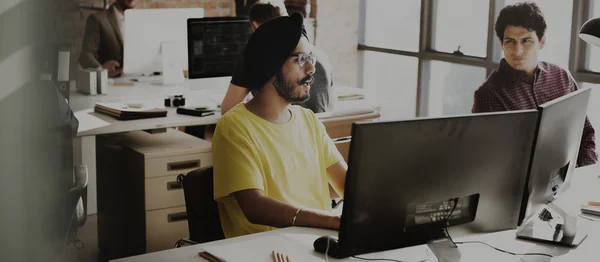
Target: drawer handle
175,217
173,185
183,165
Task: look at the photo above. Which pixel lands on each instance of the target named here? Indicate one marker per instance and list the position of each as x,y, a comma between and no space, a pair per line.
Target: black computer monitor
405,176
214,45
559,132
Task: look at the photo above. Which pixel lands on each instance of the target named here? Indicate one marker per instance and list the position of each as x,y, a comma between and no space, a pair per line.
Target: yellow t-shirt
287,162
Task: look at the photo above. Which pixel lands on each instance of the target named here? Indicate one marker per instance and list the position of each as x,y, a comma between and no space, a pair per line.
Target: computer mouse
321,243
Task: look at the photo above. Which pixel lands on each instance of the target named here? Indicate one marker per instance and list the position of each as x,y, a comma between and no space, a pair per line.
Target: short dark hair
527,15
263,11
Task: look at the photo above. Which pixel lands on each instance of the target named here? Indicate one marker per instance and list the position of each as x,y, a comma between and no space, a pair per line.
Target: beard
285,88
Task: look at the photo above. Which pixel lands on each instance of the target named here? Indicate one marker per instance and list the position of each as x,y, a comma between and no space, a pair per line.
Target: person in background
273,161
322,94
102,45
523,82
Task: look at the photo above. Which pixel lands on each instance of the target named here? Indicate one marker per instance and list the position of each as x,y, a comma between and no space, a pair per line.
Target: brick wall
337,35
70,20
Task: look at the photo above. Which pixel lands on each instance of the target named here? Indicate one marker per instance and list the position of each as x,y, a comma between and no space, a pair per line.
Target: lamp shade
590,31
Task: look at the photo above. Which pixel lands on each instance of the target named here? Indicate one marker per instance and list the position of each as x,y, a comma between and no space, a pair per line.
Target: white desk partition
147,29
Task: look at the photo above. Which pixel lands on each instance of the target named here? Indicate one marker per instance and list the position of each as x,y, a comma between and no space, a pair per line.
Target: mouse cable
377,259
384,259
504,251
327,251
479,242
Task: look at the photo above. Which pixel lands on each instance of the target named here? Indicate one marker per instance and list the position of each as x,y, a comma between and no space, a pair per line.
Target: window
393,24
392,51
452,30
558,14
594,51
451,88
391,80
593,111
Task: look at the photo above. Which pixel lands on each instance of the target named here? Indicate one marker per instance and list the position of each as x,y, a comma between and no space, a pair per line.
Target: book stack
592,208
124,111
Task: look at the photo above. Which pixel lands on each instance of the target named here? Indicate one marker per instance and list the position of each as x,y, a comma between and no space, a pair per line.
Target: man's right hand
111,66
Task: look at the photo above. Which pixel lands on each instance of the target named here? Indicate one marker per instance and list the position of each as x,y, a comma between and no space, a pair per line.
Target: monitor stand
545,230
444,250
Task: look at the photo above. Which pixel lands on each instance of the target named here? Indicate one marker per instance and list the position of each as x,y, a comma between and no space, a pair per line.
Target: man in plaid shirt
521,82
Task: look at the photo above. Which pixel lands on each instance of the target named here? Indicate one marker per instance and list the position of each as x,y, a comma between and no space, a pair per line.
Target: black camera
175,101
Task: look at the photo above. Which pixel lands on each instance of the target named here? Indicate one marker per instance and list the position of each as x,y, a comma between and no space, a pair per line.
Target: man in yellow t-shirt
273,161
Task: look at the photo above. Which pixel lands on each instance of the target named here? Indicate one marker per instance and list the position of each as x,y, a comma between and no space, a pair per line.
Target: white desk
206,92
585,187
198,92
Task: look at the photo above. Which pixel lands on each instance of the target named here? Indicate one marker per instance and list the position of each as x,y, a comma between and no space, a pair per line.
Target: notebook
123,111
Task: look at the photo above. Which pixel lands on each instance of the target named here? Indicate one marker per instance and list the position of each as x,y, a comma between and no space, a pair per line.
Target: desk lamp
590,31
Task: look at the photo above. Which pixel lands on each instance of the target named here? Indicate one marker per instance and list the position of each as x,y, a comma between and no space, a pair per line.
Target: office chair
202,212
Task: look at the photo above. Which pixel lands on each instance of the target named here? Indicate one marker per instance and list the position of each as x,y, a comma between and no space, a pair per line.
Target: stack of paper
124,111
260,250
592,208
345,96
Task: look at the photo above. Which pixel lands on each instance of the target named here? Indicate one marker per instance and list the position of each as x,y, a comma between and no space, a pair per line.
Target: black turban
269,47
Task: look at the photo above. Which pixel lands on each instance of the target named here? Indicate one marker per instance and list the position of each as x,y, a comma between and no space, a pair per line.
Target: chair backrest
203,215
339,125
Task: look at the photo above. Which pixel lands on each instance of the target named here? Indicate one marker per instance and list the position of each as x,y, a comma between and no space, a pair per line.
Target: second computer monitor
405,176
147,29
560,128
215,44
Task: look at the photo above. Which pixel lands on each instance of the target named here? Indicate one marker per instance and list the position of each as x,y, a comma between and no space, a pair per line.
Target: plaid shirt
509,89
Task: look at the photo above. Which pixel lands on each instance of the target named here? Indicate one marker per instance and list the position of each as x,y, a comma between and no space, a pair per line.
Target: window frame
577,51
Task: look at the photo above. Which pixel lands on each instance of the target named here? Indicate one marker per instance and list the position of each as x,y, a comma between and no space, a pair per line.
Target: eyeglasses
303,57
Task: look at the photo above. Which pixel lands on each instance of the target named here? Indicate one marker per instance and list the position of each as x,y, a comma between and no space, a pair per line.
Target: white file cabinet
141,207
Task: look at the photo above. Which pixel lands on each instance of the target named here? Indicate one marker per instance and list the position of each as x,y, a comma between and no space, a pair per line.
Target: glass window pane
393,24
593,111
594,51
451,88
558,14
451,29
391,80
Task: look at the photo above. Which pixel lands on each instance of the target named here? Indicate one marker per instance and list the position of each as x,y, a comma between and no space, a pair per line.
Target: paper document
299,248
133,106
260,249
87,121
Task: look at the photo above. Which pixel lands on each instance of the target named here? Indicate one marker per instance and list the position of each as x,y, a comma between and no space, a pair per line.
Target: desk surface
198,92
585,186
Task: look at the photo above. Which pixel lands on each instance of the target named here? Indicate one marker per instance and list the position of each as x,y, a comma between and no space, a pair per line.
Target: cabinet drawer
165,227
163,192
176,165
